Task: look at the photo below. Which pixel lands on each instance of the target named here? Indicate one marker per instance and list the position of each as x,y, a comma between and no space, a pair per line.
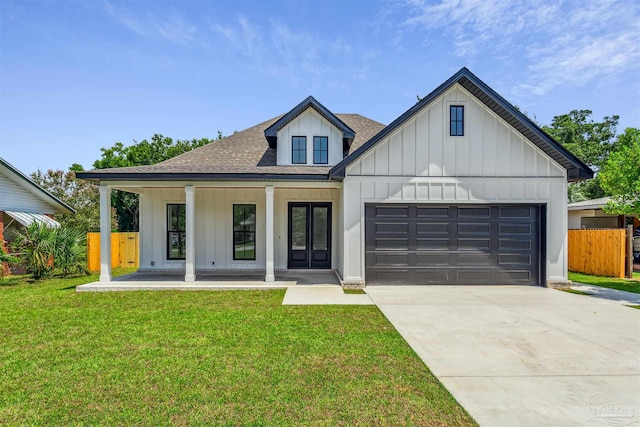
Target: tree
145,152
590,141
82,195
620,175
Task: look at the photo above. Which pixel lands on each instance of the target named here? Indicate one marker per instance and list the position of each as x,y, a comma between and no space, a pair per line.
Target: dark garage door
463,245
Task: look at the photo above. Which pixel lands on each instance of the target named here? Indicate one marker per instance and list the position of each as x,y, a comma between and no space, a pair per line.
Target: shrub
43,250
36,245
5,258
70,252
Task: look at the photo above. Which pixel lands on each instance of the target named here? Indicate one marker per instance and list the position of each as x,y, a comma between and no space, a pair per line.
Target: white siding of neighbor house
309,124
574,220
214,225
15,196
420,163
592,218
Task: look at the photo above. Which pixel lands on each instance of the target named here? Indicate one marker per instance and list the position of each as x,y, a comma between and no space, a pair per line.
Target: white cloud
276,48
556,42
172,28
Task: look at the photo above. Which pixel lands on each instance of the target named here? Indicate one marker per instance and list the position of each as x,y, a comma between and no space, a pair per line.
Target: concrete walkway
622,297
524,356
323,295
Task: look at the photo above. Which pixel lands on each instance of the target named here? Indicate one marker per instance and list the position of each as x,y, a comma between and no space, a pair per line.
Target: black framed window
456,120
176,227
320,150
244,232
299,149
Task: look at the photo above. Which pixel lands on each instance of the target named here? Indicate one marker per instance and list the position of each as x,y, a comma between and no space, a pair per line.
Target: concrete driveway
524,356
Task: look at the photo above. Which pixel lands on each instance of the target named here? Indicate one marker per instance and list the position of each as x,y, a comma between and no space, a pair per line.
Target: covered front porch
240,234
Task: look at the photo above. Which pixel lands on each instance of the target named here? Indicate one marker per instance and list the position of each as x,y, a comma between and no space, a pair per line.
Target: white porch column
190,234
269,274
105,233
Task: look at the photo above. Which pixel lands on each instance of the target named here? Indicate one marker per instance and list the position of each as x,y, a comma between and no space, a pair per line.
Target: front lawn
629,285
221,358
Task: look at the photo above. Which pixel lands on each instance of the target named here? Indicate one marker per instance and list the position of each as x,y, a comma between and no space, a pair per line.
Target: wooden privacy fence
125,250
599,252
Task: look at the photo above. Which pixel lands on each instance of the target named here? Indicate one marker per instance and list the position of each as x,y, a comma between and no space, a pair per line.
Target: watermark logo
608,412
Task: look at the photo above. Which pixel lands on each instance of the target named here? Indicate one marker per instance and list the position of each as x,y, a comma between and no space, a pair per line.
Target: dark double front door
309,235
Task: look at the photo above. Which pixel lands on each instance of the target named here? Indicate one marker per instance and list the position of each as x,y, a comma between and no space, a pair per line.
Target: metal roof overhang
28,218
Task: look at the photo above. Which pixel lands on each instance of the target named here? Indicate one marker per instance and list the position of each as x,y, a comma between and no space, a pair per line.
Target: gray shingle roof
243,153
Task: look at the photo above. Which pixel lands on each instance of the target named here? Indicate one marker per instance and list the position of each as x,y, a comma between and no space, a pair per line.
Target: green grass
629,285
353,291
634,306
214,358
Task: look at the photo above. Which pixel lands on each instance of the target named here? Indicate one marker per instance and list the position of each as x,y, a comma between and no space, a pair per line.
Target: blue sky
79,75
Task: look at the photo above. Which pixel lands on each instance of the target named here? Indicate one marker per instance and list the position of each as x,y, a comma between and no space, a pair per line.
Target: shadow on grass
575,291
12,281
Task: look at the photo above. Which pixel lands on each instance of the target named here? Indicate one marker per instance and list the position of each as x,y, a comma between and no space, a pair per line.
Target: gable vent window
456,120
320,150
299,150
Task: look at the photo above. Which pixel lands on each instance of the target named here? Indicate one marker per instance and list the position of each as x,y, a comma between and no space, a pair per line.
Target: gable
575,169
310,124
271,133
421,145
19,193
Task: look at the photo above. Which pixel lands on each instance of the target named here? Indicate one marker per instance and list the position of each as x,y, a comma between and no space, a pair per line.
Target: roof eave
576,169
271,133
65,207
98,177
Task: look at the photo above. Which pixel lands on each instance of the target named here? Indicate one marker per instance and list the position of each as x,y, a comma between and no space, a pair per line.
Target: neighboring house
460,189
22,202
589,214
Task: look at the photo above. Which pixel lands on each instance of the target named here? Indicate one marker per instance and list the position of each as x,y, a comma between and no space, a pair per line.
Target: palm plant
36,244
70,253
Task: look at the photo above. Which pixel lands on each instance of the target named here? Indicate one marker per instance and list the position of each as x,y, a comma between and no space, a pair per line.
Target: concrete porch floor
145,280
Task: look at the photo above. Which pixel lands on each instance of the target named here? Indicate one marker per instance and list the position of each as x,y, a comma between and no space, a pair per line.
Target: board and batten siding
420,163
309,124
16,197
214,225
422,146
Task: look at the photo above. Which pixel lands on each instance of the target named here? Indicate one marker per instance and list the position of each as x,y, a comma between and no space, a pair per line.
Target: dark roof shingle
244,152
